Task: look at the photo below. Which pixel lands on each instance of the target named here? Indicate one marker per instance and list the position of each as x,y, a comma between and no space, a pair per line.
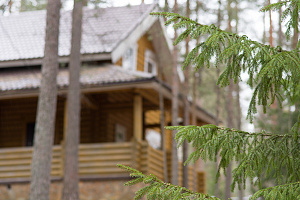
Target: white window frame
134,62
150,58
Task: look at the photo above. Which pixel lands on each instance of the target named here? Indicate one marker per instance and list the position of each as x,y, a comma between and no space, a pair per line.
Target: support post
138,117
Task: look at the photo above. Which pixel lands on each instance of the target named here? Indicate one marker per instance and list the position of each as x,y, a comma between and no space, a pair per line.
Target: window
129,58
30,133
150,62
120,133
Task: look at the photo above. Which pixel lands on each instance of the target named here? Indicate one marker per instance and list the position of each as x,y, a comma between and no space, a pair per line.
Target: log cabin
121,51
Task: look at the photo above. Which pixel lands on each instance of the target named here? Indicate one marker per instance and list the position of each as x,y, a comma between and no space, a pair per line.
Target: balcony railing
95,161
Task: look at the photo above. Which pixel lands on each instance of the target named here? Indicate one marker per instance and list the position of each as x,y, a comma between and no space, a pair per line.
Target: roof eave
61,59
140,83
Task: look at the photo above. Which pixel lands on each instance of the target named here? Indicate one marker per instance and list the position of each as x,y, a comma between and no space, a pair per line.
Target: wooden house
122,48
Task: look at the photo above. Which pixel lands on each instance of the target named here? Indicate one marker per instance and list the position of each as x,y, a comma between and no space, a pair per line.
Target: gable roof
22,34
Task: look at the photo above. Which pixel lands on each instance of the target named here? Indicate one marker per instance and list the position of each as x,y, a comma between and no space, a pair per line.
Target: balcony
96,161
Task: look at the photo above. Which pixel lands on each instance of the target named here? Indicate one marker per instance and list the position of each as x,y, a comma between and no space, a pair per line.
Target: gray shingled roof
22,35
89,76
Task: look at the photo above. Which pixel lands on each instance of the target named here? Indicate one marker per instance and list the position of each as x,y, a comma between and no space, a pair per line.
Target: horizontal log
103,164
22,162
105,158
156,151
102,171
158,163
156,157
105,145
155,170
93,152
14,175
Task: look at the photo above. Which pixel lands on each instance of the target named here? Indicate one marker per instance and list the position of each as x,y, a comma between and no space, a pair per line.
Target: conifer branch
257,152
157,189
287,191
268,67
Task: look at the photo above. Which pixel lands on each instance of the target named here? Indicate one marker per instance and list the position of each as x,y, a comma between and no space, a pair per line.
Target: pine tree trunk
70,183
218,99
162,125
229,109
239,126
45,120
175,88
280,35
271,28
185,170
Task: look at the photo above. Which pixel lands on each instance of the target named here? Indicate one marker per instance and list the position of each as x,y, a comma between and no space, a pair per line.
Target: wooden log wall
143,44
97,160
155,162
16,162
101,159
200,179
15,114
97,124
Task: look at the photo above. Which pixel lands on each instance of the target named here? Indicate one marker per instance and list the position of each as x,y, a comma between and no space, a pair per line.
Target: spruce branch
157,189
288,191
258,153
268,67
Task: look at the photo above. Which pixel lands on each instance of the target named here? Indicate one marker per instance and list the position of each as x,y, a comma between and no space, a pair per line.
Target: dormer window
150,62
129,58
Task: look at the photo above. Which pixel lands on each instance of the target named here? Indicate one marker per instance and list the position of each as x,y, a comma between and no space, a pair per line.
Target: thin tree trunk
229,108
45,120
217,124
70,183
280,35
162,125
271,28
239,126
10,2
175,88
185,172
218,100
166,7
196,76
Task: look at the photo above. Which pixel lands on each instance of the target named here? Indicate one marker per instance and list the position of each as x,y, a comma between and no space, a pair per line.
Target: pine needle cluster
274,73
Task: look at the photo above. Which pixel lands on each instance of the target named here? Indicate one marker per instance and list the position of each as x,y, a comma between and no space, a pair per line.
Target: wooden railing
16,162
101,159
194,177
97,160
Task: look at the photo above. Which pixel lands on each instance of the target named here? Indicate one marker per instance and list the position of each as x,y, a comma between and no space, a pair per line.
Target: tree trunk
239,126
175,109
280,35
162,125
70,183
218,99
229,108
45,120
271,28
186,122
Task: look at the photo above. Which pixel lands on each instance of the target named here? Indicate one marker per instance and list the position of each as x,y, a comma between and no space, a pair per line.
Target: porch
114,122
96,162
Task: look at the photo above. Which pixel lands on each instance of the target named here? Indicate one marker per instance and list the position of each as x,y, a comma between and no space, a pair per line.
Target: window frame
134,57
150,58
